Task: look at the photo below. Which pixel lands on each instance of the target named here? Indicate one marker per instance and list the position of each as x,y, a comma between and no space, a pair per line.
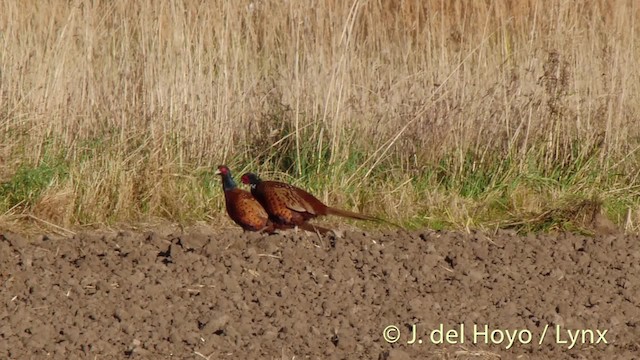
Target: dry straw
461,113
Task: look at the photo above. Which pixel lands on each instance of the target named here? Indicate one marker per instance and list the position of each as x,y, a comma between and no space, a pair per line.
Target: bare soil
196,293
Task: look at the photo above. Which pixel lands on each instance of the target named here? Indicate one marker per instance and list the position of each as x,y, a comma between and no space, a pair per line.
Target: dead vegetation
444,114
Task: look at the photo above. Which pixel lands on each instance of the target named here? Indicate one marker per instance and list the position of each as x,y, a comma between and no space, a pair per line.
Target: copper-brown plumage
242,207
287,204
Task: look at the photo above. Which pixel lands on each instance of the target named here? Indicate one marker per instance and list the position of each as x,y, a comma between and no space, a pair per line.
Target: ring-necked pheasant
241,206
247,212
290,205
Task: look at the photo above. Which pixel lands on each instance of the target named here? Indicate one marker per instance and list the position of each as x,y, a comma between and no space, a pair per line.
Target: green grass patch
30,181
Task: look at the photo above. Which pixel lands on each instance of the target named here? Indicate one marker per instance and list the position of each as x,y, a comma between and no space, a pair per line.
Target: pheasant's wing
292,198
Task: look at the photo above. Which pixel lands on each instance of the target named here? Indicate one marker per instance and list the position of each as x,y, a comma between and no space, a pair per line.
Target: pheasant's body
245,210
289,205
242,207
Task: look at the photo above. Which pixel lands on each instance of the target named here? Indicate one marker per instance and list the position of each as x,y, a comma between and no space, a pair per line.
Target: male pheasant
242,207
287,204
247,212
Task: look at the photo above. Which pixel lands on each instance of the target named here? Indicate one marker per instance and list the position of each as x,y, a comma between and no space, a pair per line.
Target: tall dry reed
420,110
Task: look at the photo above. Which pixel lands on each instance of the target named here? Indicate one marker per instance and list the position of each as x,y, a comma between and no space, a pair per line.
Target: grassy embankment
449,114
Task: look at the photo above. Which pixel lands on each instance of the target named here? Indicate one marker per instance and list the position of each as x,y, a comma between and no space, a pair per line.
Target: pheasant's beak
218,172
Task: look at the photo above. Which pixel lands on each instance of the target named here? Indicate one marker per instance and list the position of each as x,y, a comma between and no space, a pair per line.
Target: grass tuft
23,190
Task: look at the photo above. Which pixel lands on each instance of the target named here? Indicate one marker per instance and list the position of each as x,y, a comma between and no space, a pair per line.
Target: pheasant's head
223,170
251,179
227,180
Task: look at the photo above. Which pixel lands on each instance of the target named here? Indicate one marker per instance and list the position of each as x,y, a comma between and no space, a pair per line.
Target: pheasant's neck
228,183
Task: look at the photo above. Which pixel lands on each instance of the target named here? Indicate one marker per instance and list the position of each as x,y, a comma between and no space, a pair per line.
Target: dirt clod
238,295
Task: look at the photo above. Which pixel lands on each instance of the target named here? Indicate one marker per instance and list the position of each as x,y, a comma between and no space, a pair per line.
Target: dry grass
438,113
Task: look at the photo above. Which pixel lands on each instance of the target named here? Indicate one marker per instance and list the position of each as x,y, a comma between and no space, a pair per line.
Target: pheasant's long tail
355,215
350,214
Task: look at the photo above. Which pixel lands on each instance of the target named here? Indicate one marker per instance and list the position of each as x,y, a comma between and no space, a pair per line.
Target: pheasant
247,212
289,205
242,207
